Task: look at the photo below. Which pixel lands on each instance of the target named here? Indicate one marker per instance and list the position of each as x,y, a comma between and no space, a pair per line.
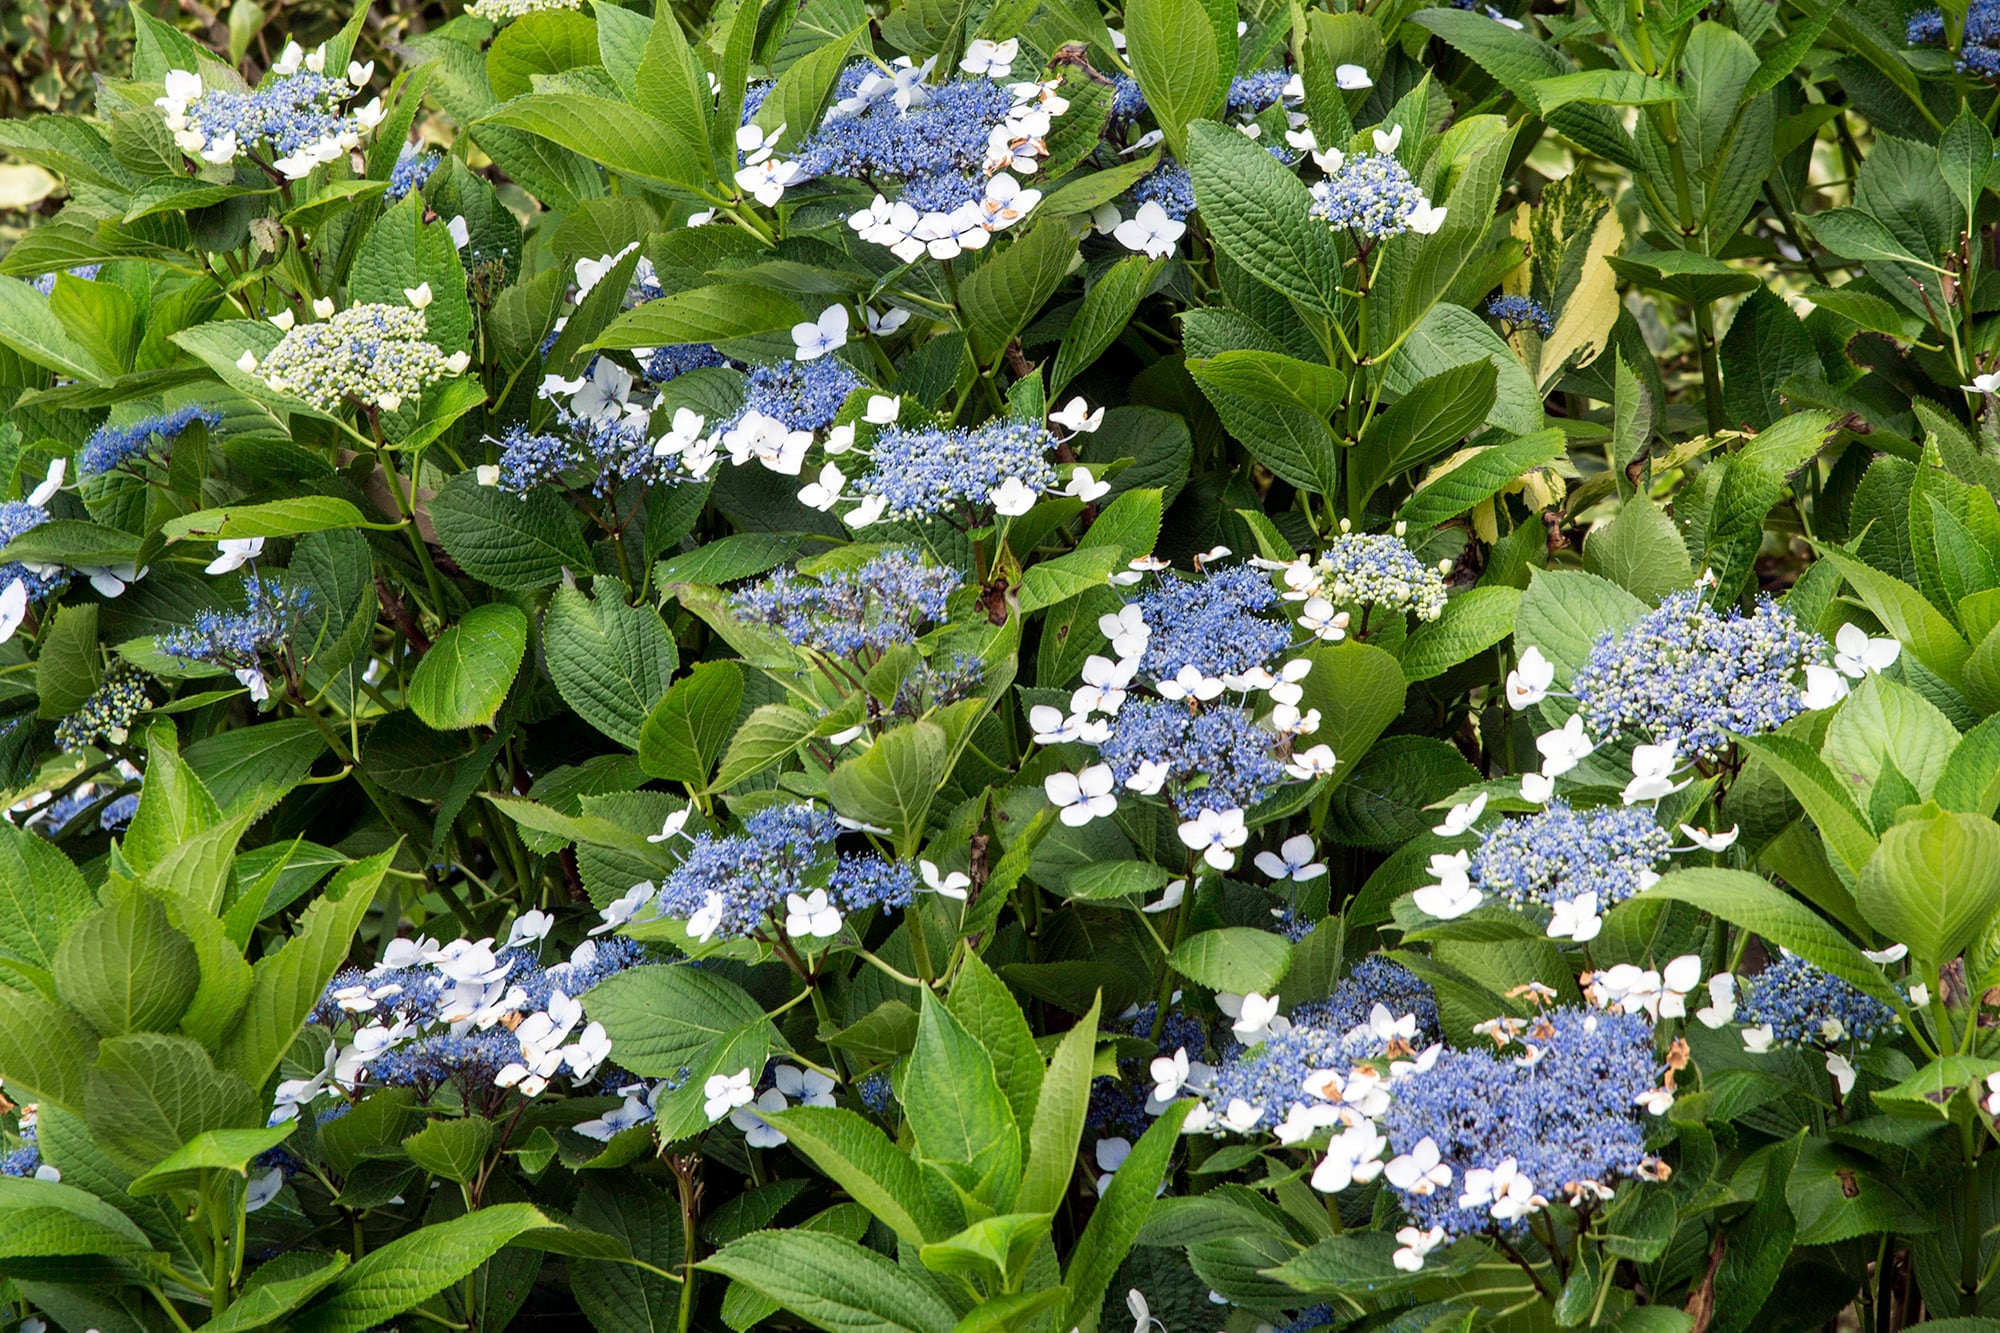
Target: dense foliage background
999,666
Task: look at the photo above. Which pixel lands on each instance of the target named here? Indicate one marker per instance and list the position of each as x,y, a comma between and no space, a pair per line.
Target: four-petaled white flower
1084,487
1413,1246
822,335
953,885
1711,842
1565,747
766,181
1453,895
811,915
1312,763
671,827
1350,78
1083,796
531,927
993,59
1825,687
1575,919
1721,1006
1170,1075
1293,860
1528,683
1012,497
1653,773
723,1093
1150,231
1076,417
1856,655
232,553
1420,1170
1462,817
1216,834
824,493
1256,1017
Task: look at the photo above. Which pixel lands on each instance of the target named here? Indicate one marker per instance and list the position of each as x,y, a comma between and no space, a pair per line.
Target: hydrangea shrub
1018,666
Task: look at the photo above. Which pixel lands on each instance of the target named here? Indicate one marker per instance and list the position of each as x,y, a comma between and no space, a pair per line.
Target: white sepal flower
1083,796
725,1092
1461,817
822,335
1856,655
1292,861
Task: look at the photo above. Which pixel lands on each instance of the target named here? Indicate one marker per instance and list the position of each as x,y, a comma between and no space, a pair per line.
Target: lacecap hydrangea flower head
297,121
373,354
1694,675
1178,711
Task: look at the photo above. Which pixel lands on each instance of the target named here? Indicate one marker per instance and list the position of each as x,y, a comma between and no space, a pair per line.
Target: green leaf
1114,879
71,667
1564,611
1641,550
1352,1264
1005,292
275,518
623,138
832,1283
856,1155
1358,690
892,783
1115,1223
413,1268
464,678
451,1149
1607,87
1965,156
1175,58
289,982
1234,958
271,1293
661,1018
1050,581
1057,1129
955,1109
685,731
1749,901
126,970
41,1219
766,737
543,42
514,543
1472,622
1276,378
982,1002
1260,213
610,661
45,1049
41,896
1903,611
1442,410
1479,477
30,328
1815,787
151,1093
1751,485
1933,884
1687,275
211,1153
1108,306
1759,1244
704,315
